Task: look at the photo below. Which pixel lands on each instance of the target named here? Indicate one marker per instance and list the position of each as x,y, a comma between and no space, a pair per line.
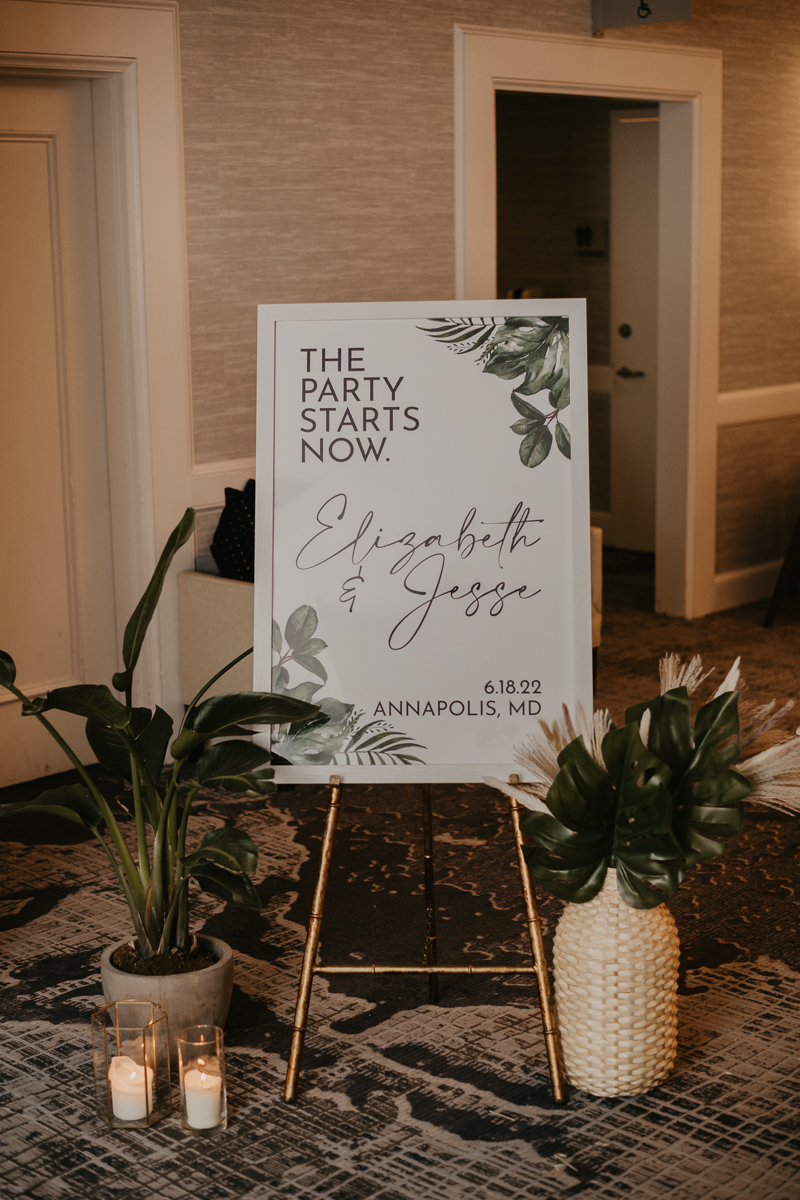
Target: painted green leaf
303,691
516,346
535,447
524,426
280,677
8,669
301,626
558,396
525,409
309,663
314,646
277,640
563,440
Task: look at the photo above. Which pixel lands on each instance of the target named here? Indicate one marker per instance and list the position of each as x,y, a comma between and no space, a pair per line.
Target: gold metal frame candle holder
130,1055
430,966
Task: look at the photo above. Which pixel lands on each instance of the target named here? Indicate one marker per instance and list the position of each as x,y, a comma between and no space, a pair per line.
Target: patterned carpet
401,1100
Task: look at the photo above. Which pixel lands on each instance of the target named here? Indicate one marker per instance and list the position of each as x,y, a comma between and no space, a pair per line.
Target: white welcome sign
422,532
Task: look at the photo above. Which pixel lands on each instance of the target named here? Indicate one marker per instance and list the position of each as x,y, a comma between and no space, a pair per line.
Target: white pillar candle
203,1095
128,1083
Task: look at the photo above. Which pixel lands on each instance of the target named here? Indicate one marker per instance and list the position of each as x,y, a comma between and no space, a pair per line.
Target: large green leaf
226,885
230,765
72,803
93,701
153,741
618,817
229,848
108,746
214,716
563,440
227,714
143,613
8,669
151,733
700,760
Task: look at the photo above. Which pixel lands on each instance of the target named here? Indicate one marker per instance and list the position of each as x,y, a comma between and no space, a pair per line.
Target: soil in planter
176,963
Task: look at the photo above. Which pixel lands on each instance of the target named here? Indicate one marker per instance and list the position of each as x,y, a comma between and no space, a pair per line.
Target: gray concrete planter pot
197,998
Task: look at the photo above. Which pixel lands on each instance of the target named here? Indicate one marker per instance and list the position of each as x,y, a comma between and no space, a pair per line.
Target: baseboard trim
732,588
208,480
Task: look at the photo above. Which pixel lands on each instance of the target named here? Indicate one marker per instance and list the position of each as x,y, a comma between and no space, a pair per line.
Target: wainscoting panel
758,491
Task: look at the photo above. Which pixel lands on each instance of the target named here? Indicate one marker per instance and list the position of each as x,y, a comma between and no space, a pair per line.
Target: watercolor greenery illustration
536,348
338,733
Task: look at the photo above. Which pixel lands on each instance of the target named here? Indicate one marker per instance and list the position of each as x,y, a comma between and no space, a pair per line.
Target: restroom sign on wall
613,14
422,532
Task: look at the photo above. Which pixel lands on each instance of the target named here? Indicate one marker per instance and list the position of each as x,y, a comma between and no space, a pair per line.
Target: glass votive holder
201,1058
130,1055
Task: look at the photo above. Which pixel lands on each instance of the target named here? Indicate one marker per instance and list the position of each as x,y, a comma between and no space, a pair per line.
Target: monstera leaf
534,348
706,792
599,818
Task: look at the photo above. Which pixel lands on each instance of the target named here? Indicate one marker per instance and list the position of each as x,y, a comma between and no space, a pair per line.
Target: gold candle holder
130,1054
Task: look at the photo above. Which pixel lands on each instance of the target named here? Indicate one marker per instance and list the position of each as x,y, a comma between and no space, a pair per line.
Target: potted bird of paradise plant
155,864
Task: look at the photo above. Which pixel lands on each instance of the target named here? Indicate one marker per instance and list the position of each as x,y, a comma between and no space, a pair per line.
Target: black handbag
233,546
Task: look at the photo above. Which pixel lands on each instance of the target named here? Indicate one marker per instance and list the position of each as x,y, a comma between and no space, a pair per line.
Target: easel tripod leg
312,943
430,904
537,947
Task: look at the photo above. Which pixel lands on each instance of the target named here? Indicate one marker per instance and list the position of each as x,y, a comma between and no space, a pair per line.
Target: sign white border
579,689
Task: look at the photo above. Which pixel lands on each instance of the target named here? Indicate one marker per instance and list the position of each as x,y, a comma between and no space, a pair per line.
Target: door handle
627,373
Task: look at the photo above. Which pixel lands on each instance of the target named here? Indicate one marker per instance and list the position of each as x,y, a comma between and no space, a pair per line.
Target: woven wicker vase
616,978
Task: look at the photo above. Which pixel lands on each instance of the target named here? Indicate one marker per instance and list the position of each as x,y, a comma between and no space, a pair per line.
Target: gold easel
431,968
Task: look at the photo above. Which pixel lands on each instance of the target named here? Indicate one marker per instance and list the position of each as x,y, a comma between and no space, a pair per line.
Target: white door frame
688,84
131,56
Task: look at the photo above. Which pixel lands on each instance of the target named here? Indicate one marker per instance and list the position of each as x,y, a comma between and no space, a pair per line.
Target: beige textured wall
319,166
758,491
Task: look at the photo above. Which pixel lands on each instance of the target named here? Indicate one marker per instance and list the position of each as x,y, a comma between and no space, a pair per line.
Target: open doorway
577,215
687,86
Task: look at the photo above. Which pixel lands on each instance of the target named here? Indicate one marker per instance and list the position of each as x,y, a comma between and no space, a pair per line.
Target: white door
56,597
634,321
